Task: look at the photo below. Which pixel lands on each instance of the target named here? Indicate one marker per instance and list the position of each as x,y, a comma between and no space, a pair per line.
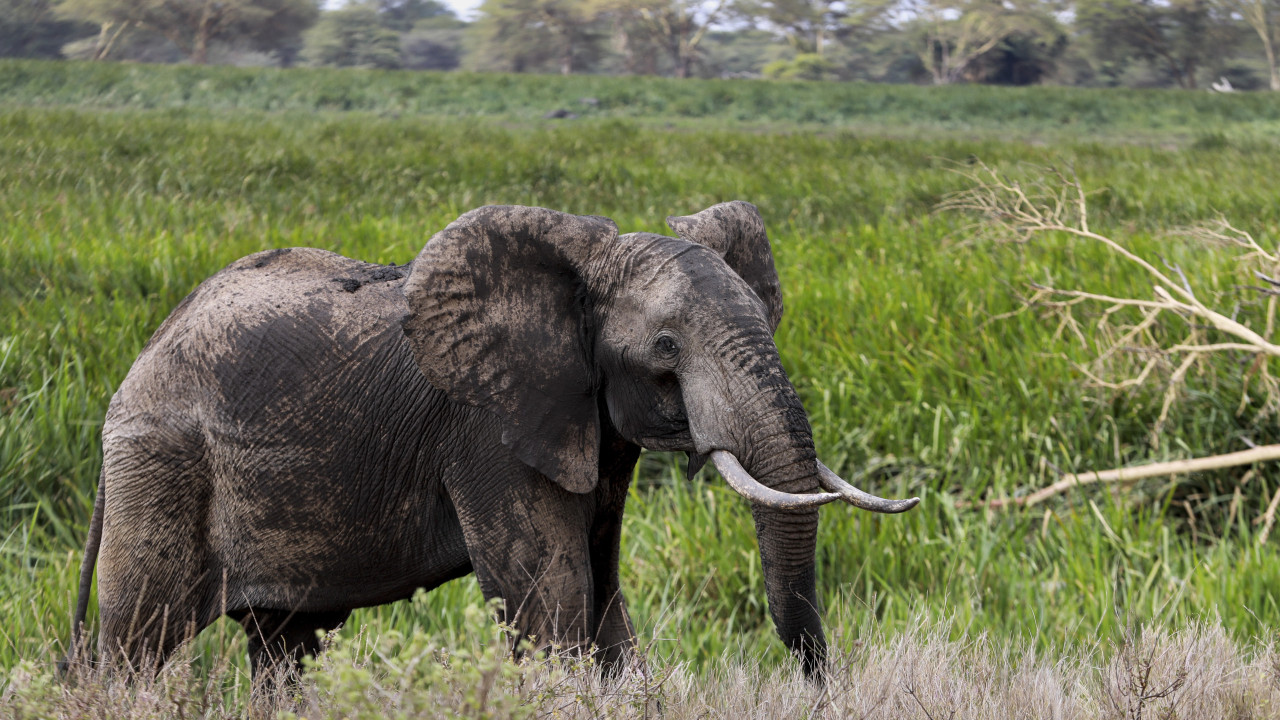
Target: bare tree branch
1131,335
1139,472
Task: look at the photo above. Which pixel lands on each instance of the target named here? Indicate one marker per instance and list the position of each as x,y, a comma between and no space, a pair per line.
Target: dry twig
1140,472
1058,203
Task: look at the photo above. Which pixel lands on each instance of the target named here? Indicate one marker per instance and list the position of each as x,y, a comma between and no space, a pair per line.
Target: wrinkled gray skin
307,434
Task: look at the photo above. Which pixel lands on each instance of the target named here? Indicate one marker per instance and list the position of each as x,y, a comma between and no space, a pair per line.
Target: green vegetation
1226,44
121,188
1058,113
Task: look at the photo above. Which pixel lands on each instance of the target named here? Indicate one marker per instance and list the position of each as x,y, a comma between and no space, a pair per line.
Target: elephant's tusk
750,488
857,498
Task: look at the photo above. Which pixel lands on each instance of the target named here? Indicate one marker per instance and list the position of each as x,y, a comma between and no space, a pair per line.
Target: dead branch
1007,204
1138,472
1130,335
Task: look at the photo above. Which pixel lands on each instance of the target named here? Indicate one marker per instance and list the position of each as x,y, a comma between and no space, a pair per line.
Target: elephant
306,434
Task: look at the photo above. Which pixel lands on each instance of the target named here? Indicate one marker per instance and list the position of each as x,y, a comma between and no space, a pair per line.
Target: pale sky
464,8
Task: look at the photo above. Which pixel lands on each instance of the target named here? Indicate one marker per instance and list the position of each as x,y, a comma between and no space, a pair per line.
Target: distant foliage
34,29
352,37
806,66
431,48
1176,40
193,26
1024,57
385,34
535,36
1189,44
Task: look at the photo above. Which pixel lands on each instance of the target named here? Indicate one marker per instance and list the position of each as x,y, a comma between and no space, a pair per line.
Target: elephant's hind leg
155,588
141,628
279,639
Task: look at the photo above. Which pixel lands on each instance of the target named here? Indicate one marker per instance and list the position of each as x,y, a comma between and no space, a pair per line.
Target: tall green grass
1054,111
108,217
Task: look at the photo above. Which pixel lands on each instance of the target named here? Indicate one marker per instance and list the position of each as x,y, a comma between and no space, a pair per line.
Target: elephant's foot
280,639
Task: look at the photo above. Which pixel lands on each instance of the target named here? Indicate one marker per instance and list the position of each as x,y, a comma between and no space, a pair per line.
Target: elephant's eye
666,346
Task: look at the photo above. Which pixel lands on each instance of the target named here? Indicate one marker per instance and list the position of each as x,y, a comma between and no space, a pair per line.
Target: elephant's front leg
615,635
527,539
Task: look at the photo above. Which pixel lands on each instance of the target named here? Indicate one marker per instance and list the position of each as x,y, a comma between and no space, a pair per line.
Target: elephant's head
557,324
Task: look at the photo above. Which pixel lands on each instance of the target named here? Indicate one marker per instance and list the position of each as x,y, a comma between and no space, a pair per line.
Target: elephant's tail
86,578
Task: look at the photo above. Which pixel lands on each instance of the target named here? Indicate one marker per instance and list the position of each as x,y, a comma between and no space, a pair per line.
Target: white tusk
750,488
858,498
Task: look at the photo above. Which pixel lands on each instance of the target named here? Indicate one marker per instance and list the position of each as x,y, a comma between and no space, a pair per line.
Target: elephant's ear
498,318
736,231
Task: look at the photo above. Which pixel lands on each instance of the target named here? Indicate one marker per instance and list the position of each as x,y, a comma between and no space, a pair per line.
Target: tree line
1099,43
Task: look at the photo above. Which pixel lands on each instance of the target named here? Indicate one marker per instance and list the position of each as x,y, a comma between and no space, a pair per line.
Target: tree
434,43
521,35
950,35
192,24
633,39
809,25
877,44
126,42
352,37
740,53
403,15
1176,36
1264,17
1024,57
805,66
674,27
32,29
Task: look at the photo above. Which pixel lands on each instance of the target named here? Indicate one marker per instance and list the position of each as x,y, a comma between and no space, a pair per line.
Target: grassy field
122,187
1053,112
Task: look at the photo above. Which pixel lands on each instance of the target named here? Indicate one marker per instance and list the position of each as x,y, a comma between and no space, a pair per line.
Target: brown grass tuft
932,672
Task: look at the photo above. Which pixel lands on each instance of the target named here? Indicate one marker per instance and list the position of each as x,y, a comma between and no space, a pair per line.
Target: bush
805,66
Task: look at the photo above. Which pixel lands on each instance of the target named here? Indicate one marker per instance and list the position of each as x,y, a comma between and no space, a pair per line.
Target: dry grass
932,672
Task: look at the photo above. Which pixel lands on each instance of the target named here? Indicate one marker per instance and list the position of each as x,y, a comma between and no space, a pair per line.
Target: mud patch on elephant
268,257
385,273
373,274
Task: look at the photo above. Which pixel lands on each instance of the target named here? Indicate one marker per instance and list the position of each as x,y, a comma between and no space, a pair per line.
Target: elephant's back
289,308
283,399
268,327
327,292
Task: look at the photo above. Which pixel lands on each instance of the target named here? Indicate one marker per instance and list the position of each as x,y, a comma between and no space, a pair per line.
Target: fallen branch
1138,472
1129,334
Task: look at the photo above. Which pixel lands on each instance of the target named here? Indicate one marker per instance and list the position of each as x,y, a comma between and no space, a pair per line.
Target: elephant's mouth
675,440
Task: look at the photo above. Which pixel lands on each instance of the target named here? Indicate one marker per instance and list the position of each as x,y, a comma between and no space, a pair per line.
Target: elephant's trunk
788,541
763,446
782,458
783,477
